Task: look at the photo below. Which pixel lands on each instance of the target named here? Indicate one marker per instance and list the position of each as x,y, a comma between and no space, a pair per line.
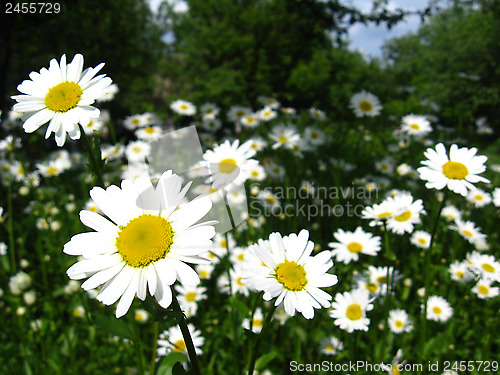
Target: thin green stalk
156,331
10,228
112,131
92,158
193,359
428,258
138,351
387,301
255,351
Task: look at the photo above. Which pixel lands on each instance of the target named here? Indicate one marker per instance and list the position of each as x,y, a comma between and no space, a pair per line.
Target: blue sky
366,39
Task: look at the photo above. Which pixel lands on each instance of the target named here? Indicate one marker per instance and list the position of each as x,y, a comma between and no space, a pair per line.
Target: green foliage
453,60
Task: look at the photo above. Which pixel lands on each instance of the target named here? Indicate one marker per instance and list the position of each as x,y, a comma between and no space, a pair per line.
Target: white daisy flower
172,340
211,124
421,239
204,270
479,197
269,102
112,152
135,122
3,248
288,111
209,111
61,95
485,266
406,213
183,107
257,321
484,290
258,143
144,245
230,162
399,321
284,135
386,165
416,125
378,213
135,170
451,213
458,172
109,94
365,104
188,298
289,273
349,310
267,114
317,114
496,197
331,346
459,271
275,171
250,120
351,244
468,230
268,199
314,136
238,285
137,151
237,112
438,309
149,133
257,173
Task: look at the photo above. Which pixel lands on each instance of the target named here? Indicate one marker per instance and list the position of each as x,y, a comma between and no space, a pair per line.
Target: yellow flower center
488,267
404,216
52,170
190,296
365,106
483,289
250,119
257,323
254,174
270,199
329,348
395,370
467,233
354,312
455,170
382,279
354,247
460,274
227,166
283,139
149,130
479,197
314,135
184,107
437,310
415,126
144,239
241,257
63,97
223,243
372,287
180,346
422,241
239,282
384,215
398,323
291,275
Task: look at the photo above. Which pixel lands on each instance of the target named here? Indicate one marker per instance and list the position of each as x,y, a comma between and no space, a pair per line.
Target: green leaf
178,369
239,306
114,326
264,360
159,314
167,365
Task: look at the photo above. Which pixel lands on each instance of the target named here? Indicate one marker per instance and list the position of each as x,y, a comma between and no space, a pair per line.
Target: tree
453,60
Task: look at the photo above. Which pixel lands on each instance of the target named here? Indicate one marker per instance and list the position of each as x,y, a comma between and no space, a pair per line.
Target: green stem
10,228
92,158
112,131
156,331
255,351
193,359
387,306
428,258
139,352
